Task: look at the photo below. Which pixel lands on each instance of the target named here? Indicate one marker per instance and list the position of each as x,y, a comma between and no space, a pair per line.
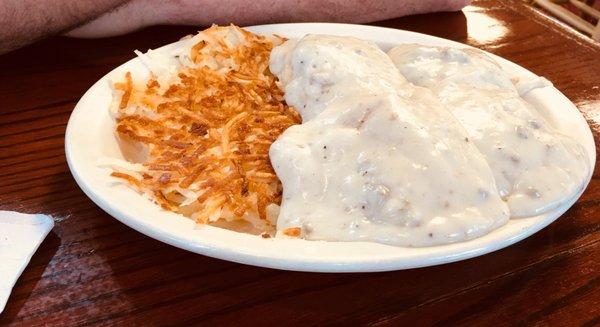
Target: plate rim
302,263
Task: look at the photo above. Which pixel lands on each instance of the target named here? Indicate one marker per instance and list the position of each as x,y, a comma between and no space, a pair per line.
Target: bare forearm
274,11
24,21
140,13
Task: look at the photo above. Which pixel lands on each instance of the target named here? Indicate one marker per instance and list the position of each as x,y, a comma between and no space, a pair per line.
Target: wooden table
92,269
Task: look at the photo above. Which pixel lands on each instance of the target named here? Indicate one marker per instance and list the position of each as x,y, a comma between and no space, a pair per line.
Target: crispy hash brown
203,135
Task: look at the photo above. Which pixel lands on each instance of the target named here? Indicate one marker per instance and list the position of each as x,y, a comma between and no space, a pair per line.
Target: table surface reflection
94,270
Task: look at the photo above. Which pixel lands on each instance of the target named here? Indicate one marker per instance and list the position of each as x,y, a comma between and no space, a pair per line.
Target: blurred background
582,15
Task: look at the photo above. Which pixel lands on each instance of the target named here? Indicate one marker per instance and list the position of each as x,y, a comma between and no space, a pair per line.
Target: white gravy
376,158
318,69
535,167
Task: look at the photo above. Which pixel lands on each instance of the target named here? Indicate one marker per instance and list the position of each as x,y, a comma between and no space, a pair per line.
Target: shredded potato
204,135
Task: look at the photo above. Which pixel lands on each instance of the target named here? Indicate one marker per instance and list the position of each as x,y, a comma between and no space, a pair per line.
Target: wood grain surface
93,270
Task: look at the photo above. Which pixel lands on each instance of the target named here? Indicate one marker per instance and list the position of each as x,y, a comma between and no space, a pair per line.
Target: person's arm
25,21
140,13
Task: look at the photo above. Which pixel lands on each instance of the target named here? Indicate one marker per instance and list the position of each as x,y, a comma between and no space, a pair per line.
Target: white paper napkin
20,236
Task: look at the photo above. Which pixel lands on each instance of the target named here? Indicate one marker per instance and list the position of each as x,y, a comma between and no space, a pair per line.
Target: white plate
89,136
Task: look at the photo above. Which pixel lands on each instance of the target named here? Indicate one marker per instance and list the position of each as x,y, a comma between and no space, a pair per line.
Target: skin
25,21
